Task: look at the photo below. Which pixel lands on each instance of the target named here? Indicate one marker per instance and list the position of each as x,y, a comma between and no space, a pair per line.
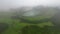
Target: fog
7,4
29,16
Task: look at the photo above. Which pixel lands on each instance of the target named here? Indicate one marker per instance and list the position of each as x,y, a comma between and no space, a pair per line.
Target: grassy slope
17,25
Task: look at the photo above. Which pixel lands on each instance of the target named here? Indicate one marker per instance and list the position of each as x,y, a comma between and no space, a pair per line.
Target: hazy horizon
7,4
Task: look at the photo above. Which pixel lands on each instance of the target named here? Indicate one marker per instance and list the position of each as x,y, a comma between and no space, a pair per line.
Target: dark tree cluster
15,17
56,20
31,29
22,19
3,27
35,21
34,29
49,30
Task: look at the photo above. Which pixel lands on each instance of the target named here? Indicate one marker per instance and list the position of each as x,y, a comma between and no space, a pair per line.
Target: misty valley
30,20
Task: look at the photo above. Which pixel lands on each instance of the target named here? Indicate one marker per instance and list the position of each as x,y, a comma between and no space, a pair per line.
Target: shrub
3,27
31,29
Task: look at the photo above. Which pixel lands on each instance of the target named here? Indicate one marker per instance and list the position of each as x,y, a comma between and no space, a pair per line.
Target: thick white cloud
5,4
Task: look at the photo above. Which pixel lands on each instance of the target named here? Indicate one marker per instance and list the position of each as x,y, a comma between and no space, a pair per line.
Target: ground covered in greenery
15,25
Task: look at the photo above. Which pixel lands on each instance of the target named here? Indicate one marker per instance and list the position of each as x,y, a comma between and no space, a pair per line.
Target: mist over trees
35,13
31,15
37,10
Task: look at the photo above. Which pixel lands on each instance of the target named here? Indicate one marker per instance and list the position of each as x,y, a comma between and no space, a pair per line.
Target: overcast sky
6,4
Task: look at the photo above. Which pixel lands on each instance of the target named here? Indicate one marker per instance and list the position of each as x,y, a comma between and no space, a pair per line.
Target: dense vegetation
18,21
